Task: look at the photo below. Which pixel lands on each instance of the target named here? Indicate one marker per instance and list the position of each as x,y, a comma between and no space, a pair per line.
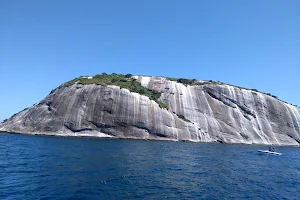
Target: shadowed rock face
204,113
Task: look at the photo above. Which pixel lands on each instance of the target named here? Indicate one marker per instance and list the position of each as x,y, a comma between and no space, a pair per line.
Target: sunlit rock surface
212,112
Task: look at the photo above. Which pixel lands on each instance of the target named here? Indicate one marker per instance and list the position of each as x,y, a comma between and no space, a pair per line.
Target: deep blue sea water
42,167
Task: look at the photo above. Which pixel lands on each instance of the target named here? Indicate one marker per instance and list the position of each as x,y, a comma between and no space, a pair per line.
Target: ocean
45,167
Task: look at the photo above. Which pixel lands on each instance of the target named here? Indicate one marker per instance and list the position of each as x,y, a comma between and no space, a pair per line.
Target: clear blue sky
254,44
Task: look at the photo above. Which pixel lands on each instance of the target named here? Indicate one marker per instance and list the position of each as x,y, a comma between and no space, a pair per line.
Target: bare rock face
200,113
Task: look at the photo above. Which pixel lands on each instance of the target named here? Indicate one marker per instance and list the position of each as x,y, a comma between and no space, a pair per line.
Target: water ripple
35,167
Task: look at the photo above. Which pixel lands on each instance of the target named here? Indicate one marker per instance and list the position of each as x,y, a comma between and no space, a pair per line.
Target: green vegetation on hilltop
172,79
126,81
184,81
123,81
191,82
194,82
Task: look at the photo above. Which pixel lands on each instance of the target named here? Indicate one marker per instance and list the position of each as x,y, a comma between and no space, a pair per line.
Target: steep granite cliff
200,112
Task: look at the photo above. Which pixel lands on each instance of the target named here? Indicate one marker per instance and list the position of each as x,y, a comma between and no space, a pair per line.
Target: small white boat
269,152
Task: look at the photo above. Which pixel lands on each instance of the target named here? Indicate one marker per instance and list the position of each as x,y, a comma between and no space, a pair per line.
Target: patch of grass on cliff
244,136
123,81
162,105
183,118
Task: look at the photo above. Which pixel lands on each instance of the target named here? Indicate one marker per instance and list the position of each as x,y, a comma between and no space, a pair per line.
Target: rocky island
160,108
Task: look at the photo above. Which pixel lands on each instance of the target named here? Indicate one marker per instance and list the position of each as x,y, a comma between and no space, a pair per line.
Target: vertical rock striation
199,113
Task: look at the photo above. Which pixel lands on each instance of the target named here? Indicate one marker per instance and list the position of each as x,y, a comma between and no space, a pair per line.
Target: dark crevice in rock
184,118
109,111
48,103
227,101
242,107
246,110
247,117
218,98
77,130
159,135
297,139
140,126
220,141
